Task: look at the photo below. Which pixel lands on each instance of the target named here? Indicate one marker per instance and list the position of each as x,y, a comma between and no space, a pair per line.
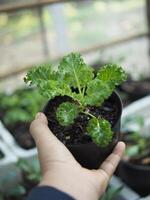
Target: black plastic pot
90,155
136,89
135,176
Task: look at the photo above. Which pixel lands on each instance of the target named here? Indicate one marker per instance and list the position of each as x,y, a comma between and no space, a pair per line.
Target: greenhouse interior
75,99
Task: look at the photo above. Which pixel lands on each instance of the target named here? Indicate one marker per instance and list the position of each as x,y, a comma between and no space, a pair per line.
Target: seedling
77,80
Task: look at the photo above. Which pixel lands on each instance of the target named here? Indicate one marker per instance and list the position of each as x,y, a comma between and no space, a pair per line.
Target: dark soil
20,132
109,111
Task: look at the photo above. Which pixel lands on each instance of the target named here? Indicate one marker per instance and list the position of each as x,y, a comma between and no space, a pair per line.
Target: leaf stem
78,84
87,113
83,90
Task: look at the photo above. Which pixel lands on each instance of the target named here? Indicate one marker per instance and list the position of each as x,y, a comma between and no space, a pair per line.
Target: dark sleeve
48,193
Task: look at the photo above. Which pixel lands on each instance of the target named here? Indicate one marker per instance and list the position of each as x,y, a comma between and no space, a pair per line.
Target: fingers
108,167
49,148
40,131
111,162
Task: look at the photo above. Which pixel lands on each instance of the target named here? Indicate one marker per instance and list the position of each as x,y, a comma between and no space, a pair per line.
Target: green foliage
18,190
96,92
132,122
66,113
31,170
132,150
112,75
111,193
1,197
21,106
76,79
139,145
74,71
100,131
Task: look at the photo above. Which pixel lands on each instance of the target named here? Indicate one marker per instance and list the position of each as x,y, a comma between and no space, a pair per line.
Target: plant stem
87,113
78,84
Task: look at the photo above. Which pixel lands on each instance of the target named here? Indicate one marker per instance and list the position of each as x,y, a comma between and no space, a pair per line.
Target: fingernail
38,115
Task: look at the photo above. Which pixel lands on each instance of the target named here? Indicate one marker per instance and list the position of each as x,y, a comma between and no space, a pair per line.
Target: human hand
60,169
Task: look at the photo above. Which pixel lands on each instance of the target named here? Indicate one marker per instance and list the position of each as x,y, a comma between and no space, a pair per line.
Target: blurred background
42,31
35,32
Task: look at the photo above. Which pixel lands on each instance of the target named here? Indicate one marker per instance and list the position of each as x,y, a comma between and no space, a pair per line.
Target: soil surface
109,111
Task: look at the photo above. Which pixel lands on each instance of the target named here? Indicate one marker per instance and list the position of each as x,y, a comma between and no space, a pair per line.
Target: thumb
40,131
48,146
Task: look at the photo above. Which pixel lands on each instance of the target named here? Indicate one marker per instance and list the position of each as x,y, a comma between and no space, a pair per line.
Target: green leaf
17,191
73,71
96,92
112,75
100,131
40,73
53,88
47,81
31,170
132,150
16,115
111,193
21,106
9,101
66,113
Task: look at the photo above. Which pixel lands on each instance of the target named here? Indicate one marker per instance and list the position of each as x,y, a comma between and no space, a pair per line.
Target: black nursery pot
136,176
89,155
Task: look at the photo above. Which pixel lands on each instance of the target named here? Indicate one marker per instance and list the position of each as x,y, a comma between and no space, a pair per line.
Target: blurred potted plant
17,111
136,89
134,169
30,178
82,111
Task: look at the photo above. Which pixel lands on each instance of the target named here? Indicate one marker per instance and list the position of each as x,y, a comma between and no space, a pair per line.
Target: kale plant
77,80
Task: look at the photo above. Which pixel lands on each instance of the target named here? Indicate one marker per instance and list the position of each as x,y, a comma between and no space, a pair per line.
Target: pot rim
136,166
114,94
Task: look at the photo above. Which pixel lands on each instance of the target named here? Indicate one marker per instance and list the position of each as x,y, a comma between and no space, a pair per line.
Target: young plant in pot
83,110
134,169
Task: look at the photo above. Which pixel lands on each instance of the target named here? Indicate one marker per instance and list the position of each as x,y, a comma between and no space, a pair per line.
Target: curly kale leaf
100,131
112,75
66,113
39,74
96,92
74,71
47,81
100,88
